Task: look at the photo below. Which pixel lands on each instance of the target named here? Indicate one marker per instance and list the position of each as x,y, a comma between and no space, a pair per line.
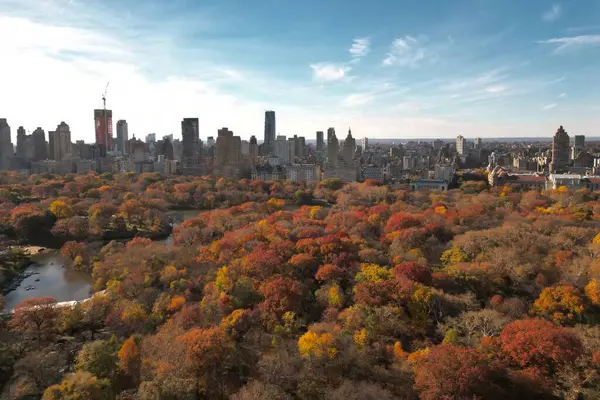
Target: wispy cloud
407,51
357,99
564,43
329,72
560,96
553,13
496,89
549,106
360,48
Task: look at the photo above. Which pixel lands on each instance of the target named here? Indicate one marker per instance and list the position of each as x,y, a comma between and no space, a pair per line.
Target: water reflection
51,279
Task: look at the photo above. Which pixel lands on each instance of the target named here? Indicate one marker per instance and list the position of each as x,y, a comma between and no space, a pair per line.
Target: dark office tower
21,139
39,145
190,135
320,143
330,134
560,150
579,142
269,142
253,148
122,136
333,148
51,145
6,147
104,131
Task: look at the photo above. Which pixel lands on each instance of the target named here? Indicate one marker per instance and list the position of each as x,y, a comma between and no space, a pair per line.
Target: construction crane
105,117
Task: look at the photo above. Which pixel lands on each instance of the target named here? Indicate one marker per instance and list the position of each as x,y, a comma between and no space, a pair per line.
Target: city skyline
391,70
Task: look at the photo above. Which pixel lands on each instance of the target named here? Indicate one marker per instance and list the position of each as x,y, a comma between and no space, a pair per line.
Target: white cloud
405,51
328,72
553,13
357,99
360,47
560,96
496,89
573,41
549,106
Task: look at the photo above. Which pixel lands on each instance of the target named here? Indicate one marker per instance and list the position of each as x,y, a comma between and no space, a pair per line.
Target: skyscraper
190,134
282,149
6,147
228,148
269,142
253,148
333,147
104,130
62,142
460,145
349,148
560,150
477,143
21,141
39,145
365,143
122,136
320,142
151,137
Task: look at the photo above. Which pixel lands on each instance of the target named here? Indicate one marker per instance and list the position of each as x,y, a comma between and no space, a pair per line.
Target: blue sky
388,69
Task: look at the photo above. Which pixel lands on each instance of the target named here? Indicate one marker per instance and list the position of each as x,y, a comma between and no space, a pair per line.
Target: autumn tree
36,318
562,304
79,386
539,347
281,294
453,372
99,358
129,359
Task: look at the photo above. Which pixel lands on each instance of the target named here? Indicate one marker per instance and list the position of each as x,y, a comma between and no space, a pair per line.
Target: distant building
320,142
365,143
303,173
373,172
269,139
6,147
61,142
477,144
444,172
349,148
429,184
578,146
190,134
151,138
572,181
438,144
333,148
560,150
122,136
267,172
103,129
228,150
282,149
253,148
39,145
460,145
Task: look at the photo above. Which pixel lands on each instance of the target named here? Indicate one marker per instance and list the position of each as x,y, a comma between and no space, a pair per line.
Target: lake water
64,284
50,279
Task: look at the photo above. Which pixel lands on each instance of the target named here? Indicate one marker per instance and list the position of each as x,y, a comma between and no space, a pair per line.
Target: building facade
269,139
122,136
190,134
320,142
560,150
103,129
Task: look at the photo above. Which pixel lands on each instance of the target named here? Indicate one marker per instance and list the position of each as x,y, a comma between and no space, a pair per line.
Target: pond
50,278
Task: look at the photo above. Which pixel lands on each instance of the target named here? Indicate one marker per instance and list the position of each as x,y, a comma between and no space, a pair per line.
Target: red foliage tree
451,372
539,347
36,317
413,271
281,294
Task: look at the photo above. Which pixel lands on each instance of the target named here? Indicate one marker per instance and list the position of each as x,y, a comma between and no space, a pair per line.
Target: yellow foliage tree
334,297
275,204
360,337
416,355
592,292
176,303
373,273
454,256
60,209
563,304
314,345
223,281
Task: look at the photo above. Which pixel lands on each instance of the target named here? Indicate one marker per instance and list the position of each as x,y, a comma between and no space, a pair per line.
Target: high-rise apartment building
460,145
253,148
477,143
122,136
39,145
579,142
365,143
151,137
269,142
349,148
333,148
104,130
320,142
21,141
560,150
228,150
438,144
190,134
282,149
59,142
6,147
